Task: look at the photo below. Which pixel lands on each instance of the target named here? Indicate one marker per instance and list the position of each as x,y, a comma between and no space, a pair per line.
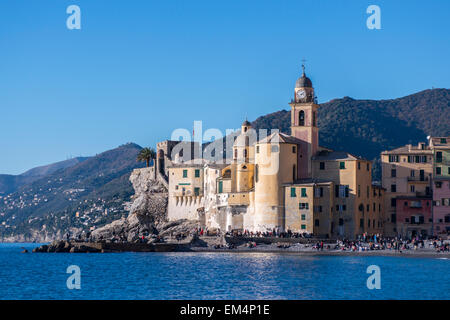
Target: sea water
217,276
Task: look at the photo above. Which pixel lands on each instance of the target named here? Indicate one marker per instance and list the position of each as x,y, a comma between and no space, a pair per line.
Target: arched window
301,118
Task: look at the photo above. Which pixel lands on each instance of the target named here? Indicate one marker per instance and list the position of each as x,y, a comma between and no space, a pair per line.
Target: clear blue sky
139,69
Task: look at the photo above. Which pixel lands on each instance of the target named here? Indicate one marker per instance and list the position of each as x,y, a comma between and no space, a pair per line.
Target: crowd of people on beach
364,242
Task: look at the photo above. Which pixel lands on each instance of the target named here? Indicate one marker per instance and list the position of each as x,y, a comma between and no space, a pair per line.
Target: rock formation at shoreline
148,213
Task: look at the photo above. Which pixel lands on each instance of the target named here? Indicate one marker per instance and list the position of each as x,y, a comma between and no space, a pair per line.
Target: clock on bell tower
304,123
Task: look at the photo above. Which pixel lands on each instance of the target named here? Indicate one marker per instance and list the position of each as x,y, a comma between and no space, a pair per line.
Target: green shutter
184,173
220,186
197,173
303,192
293,195
341,165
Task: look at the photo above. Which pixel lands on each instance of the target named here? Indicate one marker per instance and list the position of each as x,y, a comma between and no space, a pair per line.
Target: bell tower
304,123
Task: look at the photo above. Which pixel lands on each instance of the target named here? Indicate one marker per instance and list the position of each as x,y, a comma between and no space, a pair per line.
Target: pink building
441,208
414,216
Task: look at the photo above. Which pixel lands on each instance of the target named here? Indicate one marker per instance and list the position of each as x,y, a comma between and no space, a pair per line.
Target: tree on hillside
146,155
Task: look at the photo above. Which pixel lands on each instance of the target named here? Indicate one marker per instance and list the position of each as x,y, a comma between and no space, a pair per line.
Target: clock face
301,94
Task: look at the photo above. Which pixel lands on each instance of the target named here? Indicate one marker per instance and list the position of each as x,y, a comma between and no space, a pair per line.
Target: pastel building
441,184
279,182
406,172
416,182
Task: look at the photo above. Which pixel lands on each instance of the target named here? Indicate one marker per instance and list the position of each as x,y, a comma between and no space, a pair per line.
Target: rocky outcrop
148,214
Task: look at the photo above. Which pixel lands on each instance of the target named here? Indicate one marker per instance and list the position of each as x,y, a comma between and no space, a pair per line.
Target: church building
280,182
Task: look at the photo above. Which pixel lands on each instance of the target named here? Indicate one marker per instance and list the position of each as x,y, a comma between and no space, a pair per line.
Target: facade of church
278,182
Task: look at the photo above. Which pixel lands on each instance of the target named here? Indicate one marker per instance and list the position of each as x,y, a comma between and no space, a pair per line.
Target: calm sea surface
217,276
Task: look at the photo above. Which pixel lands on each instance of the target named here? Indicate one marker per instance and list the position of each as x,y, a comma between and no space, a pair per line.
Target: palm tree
146,155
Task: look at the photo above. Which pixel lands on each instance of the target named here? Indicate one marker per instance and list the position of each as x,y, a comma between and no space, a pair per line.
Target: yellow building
280,183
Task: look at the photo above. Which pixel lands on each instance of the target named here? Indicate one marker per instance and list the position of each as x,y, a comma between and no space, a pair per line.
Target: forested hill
367,127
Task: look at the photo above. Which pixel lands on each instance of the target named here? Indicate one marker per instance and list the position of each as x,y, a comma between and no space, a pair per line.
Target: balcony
418,179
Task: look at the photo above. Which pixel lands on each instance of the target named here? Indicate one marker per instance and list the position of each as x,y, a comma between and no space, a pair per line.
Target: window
413,173
374,207
245,153
359,165
303,205
341,191
412,189
196,191
341,222
293,195
220,186
368,207
294,172
197,173
293,149
304,192
438,171
439,156
235,153
393,173
314,119
359,190
256,173
318,192
393,202
342,165
438,184
393,158
393,218
303,227
361,223
303,216
274,148
301,118
393,188
322,165
443,140
367,167
257,149
316,222
185,173
368,191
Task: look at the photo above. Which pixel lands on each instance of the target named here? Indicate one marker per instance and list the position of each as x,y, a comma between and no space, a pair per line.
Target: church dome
303,82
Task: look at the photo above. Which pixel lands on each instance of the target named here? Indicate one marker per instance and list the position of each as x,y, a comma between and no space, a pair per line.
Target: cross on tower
303,65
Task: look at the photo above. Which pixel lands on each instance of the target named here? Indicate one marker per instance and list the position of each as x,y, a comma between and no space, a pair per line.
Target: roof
195,163
409,149
307,182
279,137
336,155
303,82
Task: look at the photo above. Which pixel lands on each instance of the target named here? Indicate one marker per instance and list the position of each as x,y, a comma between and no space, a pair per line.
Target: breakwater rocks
67,246
102,247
